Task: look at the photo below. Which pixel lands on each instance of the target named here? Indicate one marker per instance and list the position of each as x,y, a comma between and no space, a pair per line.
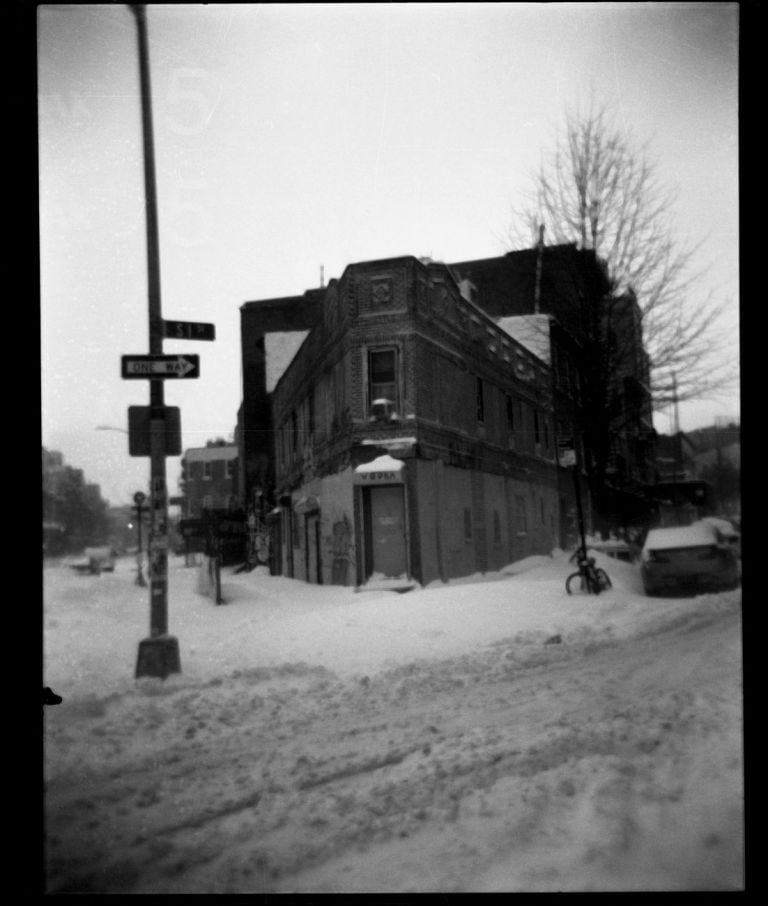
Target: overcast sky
294,137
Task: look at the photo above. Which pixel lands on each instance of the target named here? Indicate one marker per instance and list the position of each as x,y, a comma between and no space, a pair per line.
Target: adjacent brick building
285,321
567,290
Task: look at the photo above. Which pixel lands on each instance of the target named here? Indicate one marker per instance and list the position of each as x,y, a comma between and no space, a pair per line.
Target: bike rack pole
579,509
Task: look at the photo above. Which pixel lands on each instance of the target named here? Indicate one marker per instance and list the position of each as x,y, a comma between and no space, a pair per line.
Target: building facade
414,438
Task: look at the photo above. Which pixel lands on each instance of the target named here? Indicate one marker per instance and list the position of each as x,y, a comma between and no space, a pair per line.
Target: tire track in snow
415,757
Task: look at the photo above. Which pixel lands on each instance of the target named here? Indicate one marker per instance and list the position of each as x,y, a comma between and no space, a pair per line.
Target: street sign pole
579,508
159,654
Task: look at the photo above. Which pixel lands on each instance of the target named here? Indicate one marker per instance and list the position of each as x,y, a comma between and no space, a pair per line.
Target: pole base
158,657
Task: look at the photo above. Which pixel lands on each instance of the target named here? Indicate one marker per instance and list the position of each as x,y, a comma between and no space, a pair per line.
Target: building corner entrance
384,519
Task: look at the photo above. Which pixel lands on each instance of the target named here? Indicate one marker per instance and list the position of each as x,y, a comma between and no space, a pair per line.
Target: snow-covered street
488,735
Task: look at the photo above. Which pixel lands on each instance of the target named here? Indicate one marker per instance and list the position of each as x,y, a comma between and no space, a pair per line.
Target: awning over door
382,470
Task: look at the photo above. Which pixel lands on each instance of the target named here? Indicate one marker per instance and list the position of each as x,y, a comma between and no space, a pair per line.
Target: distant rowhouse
209,479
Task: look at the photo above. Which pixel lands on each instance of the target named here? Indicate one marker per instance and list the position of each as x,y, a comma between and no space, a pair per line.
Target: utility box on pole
139,433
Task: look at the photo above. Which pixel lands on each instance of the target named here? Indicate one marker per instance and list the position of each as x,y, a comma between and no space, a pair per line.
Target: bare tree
596,187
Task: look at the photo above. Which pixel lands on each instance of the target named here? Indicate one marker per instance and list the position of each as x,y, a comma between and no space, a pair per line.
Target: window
207,470
382,375
480,399
522,515
311,412
510,415
467,524
294,431
231,468
496,528
536,427
541,503
298,537
208,502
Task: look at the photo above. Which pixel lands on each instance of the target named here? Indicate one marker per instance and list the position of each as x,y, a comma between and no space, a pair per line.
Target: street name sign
161,366
188,330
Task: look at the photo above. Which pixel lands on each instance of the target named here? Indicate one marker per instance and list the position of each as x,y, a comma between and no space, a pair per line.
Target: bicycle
590,579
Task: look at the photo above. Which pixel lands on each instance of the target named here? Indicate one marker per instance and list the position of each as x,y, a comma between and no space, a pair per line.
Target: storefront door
387,531
314,571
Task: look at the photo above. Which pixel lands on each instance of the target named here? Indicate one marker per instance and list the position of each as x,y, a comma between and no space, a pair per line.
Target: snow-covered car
95,560
693,557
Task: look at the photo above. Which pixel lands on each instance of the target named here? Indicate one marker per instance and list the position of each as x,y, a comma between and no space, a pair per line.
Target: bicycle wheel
603,583
576,584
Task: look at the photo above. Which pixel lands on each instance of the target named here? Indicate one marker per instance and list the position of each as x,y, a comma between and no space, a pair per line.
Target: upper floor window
207,470
480,399
230,468
510,415
522,514
382,376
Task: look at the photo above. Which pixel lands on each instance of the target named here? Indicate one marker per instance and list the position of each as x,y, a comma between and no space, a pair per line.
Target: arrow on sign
161,366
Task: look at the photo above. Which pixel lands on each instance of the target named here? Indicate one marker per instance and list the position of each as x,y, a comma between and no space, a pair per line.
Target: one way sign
161,366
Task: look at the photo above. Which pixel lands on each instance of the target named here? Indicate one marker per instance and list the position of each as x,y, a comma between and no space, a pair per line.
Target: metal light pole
159,654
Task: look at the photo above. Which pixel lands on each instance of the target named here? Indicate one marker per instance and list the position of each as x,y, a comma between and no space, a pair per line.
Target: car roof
680,536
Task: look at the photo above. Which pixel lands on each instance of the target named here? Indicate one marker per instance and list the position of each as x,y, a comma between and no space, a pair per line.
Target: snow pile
269,620
488,734
532,331
280,348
